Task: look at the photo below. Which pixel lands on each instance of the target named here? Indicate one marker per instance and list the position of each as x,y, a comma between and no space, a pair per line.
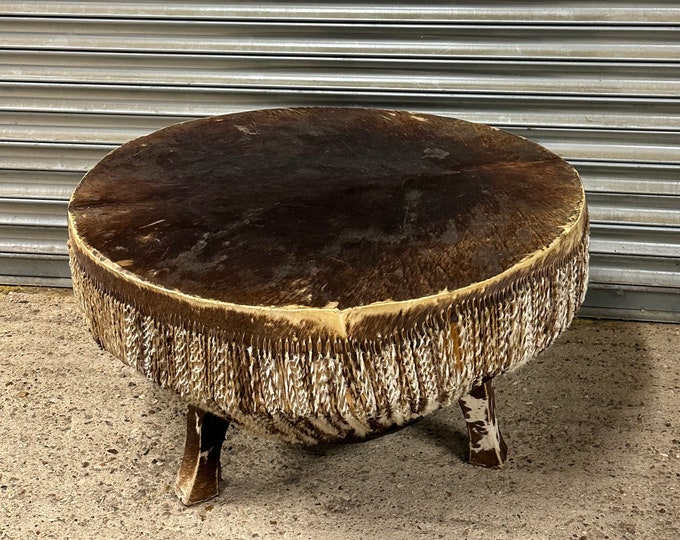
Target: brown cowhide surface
317,273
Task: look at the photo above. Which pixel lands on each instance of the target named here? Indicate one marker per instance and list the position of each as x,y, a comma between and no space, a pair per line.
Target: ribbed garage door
597,82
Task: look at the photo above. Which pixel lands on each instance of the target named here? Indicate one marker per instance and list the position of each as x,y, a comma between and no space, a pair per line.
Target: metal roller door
597,82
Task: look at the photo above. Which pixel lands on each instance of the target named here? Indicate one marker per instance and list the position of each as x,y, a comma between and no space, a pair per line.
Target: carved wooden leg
199,474
487,447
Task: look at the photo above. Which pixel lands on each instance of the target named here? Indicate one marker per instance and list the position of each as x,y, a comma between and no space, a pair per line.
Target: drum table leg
487,447
199,474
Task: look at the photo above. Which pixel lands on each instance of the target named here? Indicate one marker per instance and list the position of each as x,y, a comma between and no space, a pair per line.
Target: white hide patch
479,412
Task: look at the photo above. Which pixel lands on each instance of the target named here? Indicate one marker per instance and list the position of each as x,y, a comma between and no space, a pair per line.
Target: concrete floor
89,449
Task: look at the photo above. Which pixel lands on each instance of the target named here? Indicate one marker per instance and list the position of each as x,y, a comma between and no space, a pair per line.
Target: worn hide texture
467,250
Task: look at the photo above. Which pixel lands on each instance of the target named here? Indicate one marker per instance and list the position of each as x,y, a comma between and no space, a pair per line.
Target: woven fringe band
315,390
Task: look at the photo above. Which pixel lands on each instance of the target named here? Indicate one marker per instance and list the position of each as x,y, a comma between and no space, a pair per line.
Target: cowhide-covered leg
487,447
199,474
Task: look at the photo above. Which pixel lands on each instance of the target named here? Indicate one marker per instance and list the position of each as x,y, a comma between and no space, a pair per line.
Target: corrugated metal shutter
597,82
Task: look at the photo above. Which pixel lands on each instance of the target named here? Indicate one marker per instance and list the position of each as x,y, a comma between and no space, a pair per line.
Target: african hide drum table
327,274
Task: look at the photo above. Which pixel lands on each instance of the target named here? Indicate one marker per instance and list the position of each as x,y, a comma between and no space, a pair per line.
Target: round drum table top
328,209
323,273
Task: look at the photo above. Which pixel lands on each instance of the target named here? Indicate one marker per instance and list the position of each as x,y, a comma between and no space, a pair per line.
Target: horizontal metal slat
656,12
635,240
19,184
32,212
346,74
204,101
572,144
605,270
79,128
79,158
639,209
607,239
35,240
643,179
635,270
616,42
37,156
606,145
109,129
602,300
23,106
628,302
30,269
612,240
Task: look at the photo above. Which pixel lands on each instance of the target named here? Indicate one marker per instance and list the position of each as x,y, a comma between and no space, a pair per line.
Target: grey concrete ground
89,449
